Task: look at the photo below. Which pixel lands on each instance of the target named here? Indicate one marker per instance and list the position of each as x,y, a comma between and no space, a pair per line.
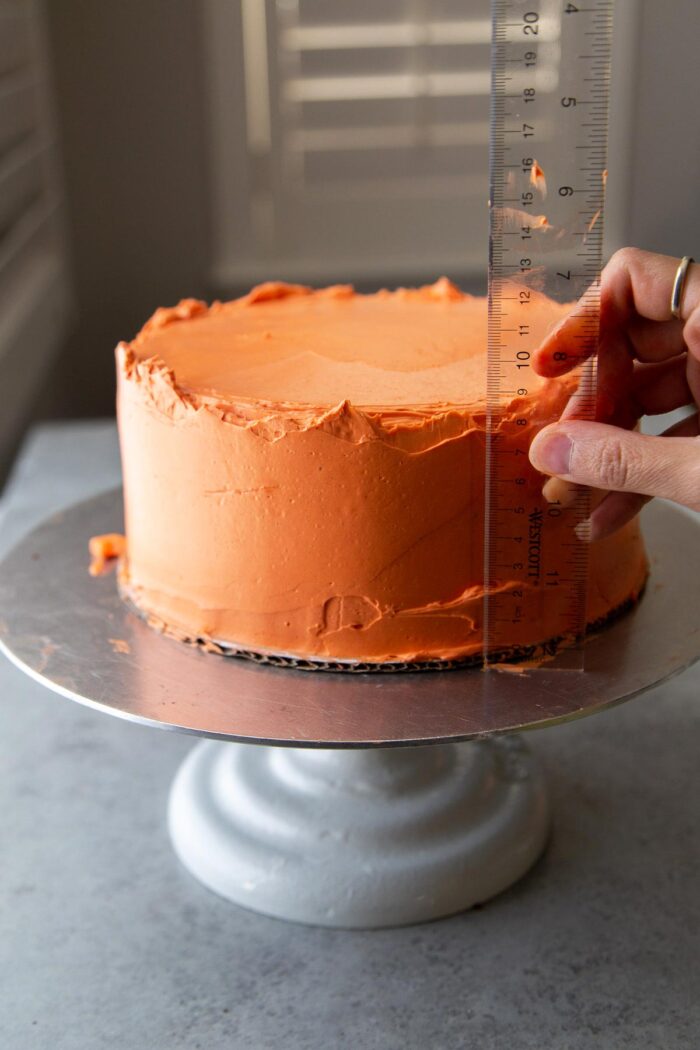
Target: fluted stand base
359,838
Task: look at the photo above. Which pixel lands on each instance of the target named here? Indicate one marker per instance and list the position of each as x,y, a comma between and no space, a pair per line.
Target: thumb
608,457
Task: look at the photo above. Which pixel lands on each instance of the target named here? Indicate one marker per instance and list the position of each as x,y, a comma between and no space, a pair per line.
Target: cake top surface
288,344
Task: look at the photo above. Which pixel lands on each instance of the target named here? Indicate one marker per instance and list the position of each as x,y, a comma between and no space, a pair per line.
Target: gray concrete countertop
106,942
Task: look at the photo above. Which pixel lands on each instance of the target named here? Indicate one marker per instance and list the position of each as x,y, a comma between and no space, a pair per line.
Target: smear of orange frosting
104,550
120,646
537,178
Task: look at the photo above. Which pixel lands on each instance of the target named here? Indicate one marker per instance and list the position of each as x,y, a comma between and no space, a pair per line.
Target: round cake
304,476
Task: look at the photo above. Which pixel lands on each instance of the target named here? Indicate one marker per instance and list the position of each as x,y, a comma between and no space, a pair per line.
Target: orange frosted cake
304,475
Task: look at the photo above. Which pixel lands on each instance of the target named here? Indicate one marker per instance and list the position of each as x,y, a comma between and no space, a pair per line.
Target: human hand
648,363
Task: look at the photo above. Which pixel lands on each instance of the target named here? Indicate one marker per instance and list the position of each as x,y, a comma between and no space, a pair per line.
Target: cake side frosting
345,521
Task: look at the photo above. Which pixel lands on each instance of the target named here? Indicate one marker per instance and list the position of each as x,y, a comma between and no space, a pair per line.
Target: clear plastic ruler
548,166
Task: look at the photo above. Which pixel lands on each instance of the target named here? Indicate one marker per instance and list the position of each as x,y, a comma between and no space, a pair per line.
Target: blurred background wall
130,106
192,147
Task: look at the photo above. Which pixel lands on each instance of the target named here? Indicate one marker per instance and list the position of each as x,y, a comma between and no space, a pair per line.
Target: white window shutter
366,132
350,137
34,282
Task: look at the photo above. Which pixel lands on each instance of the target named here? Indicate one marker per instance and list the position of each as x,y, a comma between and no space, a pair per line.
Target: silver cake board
341,822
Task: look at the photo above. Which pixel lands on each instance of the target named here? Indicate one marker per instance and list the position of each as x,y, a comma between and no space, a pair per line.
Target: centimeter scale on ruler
549,122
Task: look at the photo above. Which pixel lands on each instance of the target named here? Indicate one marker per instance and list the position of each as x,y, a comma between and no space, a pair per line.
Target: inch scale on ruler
549,124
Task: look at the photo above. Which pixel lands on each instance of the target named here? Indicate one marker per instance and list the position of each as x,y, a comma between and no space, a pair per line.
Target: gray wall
665,181
130,108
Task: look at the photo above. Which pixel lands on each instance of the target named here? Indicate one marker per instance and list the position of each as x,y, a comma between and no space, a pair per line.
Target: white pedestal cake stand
332,819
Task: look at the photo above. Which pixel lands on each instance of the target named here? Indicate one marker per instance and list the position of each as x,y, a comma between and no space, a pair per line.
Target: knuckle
626,258
694,495
691,335
618,465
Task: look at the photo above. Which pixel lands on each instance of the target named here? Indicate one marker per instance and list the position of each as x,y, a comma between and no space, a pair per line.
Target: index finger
635,284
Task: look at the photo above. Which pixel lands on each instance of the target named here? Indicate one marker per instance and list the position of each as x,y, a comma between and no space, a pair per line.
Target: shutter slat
408,85
18,113
350,12
399,136
396,34
34,283
29,197
21,181
31,236
15,39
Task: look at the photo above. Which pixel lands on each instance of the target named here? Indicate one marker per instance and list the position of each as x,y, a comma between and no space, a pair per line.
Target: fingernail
584,531
555,490
551,453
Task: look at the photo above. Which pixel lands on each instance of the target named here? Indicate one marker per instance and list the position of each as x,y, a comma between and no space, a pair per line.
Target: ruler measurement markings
583,76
